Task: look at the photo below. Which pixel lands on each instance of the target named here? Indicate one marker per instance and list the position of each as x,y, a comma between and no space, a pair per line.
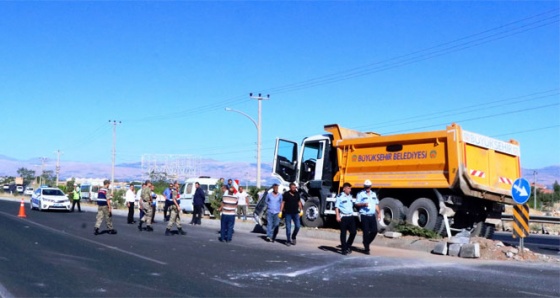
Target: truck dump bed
454,159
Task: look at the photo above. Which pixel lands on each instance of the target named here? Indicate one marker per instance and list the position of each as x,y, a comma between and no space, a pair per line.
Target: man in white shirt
242,203
130,197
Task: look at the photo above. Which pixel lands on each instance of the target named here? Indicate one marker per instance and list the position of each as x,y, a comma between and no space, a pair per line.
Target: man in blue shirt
369,214
273,202
344,215
168,202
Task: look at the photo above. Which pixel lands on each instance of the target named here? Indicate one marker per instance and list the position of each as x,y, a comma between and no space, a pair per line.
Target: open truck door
284,166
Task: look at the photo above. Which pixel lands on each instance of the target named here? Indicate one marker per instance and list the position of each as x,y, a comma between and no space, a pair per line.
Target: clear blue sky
168,69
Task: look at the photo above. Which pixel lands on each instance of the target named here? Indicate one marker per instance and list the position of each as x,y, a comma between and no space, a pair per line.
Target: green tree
70,184
26,174
216,200
48,178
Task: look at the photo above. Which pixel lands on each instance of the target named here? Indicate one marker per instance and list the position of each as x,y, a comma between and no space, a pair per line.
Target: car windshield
53,192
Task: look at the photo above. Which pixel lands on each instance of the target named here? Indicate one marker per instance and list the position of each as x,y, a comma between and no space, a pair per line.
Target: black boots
96,231
112,232
167,232
140,226
149,229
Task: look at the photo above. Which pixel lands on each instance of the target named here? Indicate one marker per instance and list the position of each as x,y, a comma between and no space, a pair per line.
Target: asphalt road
56,254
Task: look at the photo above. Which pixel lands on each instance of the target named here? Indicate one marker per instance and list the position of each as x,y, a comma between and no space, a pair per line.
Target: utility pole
259,98
535,190
43,161
58,153
115,122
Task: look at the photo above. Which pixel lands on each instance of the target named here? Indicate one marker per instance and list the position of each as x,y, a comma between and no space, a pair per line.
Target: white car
49,198
28,191
19,189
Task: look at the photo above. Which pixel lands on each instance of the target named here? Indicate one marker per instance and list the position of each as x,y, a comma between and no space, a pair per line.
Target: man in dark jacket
198,205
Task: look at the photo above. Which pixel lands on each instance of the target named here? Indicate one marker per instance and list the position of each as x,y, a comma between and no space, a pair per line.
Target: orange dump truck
418,177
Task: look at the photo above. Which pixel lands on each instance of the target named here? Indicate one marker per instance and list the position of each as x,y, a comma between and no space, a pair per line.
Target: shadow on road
329,248
258,229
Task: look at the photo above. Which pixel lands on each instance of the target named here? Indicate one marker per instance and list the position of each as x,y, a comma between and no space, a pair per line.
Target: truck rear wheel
423,213
311,214
484,230
392,213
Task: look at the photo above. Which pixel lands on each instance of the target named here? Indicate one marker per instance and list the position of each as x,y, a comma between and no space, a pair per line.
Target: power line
503,31
314,81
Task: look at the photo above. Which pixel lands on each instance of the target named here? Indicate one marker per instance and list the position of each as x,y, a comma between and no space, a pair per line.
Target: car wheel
39,206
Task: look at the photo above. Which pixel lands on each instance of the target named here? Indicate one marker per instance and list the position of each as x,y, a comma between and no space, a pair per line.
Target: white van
187,190
89,192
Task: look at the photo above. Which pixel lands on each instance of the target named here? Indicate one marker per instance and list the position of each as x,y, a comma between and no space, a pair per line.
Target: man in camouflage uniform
174,213
146,205
104,209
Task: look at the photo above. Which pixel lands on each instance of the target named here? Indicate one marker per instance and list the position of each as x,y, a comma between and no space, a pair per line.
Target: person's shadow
258,229
330,249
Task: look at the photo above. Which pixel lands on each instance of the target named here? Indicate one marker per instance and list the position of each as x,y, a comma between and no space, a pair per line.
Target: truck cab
311,168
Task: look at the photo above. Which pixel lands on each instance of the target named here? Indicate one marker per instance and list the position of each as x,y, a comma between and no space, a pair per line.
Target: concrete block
471,250
392,234
440,248
459,240
454,249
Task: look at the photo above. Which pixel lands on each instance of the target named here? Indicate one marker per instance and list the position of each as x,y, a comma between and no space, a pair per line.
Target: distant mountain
546,176
244,171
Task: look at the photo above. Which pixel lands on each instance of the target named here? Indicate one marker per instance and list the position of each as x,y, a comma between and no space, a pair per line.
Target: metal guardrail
535,219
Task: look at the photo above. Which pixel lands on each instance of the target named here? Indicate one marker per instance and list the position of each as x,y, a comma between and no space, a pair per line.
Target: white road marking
534,294
90,241
4,293
227,282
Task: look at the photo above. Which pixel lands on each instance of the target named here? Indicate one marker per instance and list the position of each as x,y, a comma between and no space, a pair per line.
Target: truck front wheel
311,214
423,213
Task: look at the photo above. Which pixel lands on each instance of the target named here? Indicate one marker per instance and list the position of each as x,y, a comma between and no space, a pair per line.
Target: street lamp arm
250,118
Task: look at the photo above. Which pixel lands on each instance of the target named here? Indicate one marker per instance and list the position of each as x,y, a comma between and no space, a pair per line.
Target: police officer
146,197
174,210
369,214
104,209
344,215
76,196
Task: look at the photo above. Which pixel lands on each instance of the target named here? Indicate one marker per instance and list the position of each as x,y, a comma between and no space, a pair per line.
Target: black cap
275,184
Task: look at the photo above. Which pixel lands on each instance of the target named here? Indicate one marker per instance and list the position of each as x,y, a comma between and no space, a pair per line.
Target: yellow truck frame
419,177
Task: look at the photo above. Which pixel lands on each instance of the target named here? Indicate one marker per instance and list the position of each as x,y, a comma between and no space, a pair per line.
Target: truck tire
311,214
392,213
489,231
423,213
440,226
478,229
484,230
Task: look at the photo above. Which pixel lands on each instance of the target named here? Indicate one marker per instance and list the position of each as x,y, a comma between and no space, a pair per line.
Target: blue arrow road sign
520,191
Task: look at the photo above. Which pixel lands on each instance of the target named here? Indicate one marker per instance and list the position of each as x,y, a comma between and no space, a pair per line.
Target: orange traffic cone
22,209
